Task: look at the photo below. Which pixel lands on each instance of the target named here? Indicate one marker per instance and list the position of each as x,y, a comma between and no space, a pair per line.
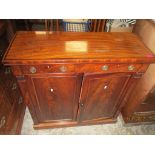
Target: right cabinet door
100,95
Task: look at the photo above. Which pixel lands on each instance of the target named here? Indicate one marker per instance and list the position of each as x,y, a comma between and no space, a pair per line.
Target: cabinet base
71,124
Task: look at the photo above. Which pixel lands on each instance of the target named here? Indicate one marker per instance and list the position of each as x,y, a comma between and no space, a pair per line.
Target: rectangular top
48,47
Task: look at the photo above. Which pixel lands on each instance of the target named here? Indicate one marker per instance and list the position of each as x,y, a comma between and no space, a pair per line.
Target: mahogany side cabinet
76,78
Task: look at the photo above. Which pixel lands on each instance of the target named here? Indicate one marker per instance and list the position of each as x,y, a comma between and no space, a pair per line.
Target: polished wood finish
100,95
55,96
44,47
70,79
78,68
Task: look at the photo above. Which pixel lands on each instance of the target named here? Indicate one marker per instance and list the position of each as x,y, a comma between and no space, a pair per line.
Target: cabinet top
48,47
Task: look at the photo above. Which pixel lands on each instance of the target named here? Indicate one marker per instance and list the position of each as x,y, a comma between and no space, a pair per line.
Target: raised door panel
55,96
100,95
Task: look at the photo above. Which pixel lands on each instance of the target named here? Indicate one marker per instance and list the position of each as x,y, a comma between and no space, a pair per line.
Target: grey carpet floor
106,129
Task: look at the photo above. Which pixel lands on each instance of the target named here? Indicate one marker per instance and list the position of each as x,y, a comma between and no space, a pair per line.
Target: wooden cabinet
70,79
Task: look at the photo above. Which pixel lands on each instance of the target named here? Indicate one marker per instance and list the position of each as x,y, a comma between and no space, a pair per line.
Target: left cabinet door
55,97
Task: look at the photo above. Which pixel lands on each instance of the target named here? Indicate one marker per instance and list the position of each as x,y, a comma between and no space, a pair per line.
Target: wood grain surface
43,47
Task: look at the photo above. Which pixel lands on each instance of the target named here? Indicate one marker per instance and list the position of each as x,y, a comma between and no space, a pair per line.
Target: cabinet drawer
51,68
78,68
106,68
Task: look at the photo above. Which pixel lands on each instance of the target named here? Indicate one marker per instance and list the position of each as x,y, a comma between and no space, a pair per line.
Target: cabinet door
100,95
55,97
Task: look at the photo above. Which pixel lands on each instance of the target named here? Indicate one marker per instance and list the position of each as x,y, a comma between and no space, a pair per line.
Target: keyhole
105,87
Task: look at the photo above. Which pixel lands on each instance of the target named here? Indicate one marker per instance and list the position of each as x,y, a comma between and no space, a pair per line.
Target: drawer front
78,68
56,68
109,68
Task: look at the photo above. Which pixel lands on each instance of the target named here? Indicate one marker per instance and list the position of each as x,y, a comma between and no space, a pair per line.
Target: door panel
55,96
100,95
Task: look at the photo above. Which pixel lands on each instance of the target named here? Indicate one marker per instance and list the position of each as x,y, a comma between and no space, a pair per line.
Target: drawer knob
2,121
131,68
105,67
33,70
63,68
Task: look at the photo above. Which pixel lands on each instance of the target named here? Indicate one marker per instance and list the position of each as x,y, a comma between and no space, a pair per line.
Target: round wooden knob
105,67
63,68
131,67
33,70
